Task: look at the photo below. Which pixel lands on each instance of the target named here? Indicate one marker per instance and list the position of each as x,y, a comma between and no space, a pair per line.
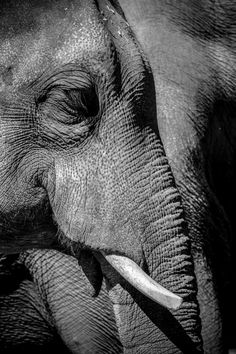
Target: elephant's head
82,162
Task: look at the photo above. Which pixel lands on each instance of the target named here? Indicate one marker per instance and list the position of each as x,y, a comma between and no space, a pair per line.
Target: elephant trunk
158,223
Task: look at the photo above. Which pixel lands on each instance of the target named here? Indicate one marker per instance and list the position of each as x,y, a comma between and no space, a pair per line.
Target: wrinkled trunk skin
119,196
166,252
158,212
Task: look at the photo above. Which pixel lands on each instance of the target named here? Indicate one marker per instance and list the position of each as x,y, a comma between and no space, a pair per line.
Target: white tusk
142,282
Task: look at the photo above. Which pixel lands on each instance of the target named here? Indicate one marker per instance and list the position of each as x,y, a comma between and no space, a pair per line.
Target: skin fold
103,118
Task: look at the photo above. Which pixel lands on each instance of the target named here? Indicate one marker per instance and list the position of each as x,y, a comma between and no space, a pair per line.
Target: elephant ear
93,272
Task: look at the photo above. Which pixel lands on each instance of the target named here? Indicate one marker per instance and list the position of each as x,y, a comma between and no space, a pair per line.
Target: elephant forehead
36,36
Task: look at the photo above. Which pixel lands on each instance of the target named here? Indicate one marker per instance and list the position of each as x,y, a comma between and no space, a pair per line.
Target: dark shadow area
220,152
11,273
92,270
56,346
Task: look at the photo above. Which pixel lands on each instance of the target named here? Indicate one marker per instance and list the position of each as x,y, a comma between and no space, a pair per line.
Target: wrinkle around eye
67,106
64,108
53,131
61,135
72,104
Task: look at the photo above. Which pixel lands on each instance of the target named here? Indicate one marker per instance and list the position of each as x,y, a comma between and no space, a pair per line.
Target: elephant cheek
64,188
89,208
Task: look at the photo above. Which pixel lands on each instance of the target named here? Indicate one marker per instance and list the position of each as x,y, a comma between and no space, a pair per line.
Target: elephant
109,118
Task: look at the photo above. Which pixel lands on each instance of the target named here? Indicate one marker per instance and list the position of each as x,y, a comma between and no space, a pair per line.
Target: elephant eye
83,102
70,106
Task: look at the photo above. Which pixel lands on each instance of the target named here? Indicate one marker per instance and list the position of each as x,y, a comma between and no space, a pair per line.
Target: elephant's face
81,157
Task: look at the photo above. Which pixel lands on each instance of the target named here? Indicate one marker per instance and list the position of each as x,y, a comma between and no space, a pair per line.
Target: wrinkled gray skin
83,162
